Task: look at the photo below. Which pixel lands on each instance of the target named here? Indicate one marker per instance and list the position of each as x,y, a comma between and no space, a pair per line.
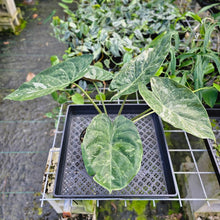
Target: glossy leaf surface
141,68
96,73
178,106
52,79
112,151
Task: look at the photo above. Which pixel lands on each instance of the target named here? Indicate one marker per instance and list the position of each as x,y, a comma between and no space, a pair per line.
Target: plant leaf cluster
112,150
195,61
116,31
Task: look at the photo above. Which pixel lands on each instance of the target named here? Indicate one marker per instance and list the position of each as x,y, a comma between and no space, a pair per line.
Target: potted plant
173,102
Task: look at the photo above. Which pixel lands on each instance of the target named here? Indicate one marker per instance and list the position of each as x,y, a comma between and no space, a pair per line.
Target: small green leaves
77,99
52,79
112,151
178,106
54,60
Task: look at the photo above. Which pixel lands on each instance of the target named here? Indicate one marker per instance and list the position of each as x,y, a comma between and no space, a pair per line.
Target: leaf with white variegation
112,151
96,73
52,79
177,105
141,68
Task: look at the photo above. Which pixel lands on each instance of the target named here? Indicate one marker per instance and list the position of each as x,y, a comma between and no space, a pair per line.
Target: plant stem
122,106
143,113
97,108
101,98
203,88
143,116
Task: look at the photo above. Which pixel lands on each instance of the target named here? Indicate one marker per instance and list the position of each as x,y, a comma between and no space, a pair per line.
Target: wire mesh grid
185,149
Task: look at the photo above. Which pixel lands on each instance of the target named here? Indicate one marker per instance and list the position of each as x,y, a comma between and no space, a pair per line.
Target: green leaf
107,63
177,105
49,115
208,33
55,95
97,97
127,57
207,7
216,86
159,71
173,61
209,69
196,17
210,96
54,78
67,1
96,73
186,63
77,99
215,58
198,75
54,60
62,98
99,64
141,68
63,5
112,151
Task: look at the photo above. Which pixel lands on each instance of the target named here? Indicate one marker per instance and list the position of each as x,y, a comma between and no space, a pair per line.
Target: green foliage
77,99
100,96
52,79
196,64
60,97
119,29
170,100
96,73
217,148
54,60
112,151
140,69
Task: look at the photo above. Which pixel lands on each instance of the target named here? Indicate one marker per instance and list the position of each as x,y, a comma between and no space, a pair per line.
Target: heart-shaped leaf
112,151
177,105
141,68
52,79
77,99
96,73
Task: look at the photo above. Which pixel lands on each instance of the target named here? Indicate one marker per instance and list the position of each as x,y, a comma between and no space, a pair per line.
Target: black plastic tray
214,113
155,178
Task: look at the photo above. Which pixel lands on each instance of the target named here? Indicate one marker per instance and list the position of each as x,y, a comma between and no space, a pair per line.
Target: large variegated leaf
52,79
96,73
112,151
177,105
141,68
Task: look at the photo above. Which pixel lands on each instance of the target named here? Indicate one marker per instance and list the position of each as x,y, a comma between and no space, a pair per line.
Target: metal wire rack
187,150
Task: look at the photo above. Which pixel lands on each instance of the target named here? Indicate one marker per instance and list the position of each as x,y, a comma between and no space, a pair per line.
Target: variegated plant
113,162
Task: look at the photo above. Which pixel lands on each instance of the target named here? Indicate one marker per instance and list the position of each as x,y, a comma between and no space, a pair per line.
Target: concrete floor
25,133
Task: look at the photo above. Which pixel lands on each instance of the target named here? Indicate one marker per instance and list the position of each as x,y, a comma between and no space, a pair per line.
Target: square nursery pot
155,178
